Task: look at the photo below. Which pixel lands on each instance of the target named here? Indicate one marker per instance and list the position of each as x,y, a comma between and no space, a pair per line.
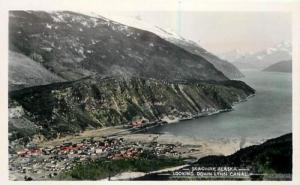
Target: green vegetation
70,107
103,168
271,160
274,157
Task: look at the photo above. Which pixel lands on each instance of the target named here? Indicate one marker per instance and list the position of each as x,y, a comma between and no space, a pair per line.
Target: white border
147,5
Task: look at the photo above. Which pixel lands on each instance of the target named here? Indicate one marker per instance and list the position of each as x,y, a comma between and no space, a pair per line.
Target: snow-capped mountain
262,59
137,23
222,65
69,71
72,46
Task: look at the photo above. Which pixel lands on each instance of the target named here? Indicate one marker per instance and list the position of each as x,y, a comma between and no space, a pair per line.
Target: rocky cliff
69,107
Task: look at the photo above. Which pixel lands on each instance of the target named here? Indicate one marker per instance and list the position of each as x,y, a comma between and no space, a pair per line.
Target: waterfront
266,115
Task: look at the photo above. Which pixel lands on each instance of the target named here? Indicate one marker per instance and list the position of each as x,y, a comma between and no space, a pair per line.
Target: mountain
93,102
227,68
24,72
224,66
283,66
261,59
74,46
95,72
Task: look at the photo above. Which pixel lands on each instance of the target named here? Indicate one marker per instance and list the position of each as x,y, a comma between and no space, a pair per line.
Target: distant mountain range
261,59
283,66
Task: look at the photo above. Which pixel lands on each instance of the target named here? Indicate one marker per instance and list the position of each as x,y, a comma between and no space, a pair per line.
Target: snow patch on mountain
137,23
285,48
260,59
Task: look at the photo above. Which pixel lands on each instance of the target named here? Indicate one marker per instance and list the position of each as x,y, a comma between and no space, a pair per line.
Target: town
41,163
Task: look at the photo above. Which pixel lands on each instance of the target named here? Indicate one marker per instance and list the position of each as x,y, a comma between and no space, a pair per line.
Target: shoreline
189,148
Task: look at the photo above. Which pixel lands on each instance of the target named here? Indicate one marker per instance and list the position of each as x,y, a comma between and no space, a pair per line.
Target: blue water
266,115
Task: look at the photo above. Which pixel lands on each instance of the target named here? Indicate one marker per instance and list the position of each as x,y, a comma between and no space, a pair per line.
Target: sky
221,32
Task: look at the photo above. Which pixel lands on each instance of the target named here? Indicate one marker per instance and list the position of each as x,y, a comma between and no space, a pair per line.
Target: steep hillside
74,45
227,68
113,74
272,160
272,157
24,72
222,65
283,66
69,107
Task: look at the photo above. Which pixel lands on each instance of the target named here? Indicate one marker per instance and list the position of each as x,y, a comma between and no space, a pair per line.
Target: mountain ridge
282,66
73,45
222,65
260,59
112,74
24,72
